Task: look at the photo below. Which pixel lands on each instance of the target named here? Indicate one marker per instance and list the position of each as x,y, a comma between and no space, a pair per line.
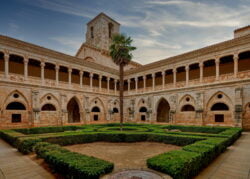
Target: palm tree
120,51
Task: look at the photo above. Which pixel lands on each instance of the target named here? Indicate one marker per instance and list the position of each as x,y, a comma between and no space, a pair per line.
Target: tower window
92,32
110,29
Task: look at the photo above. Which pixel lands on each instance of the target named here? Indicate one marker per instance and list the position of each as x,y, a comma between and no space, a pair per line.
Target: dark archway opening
219,107
163,111
95,109
115,110
48,107
244,61
187,108
15,106
73,111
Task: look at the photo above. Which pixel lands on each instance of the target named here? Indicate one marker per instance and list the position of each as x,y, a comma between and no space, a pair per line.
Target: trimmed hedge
201,129
10,136
42,130
187,162
71,164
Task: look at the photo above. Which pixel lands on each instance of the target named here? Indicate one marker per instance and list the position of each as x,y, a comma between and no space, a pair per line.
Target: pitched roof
102,14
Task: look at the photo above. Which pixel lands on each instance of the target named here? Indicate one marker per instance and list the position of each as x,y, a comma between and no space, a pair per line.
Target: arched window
219,107
115,110
187,107
48,107
111,26
143,109
95,109
92,32
15,106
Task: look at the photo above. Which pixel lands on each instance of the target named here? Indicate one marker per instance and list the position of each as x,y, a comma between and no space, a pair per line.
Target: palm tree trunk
121,95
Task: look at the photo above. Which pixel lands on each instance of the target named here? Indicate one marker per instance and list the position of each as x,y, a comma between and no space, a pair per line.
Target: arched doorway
246,118
96,112
163,111
73,111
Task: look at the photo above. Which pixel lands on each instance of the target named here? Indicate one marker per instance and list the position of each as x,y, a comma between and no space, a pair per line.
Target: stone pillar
187,74
70,72
115,86
57,68
6,65
236,59
108,79
174,79
144,83
163,79
100,82
217,64
136,84
42,71
153,81
81,74
201,65
128,85
26,62
91,80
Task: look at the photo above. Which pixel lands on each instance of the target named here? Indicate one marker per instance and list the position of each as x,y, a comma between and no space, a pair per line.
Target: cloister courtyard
138,151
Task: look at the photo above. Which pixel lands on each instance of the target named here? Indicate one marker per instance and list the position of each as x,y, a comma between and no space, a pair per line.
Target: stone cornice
31,48
193,54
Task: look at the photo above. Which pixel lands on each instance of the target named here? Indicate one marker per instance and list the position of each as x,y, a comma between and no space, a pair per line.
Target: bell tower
100,31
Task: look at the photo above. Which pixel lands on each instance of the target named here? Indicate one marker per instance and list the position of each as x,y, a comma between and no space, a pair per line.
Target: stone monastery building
41,87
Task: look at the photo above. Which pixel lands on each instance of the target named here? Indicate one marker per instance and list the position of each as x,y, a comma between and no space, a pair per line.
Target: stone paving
18,166
234,163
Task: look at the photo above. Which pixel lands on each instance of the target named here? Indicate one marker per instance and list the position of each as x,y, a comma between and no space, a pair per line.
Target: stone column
70,72
174,74
91,80
187,74
236,59
42,71
201,65
115,86
108,79
144,83
100,82
217,64
153,81
136,84
81,74
163,79
6,65
57,68
26,62
128,85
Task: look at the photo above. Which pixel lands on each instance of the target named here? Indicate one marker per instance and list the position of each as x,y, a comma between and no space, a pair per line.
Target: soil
123,155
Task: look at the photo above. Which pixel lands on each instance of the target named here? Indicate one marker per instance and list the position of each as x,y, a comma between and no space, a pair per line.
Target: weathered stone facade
42,87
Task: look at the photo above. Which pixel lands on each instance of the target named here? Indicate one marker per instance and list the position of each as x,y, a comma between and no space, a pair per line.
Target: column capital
108,78
201,64
163,72
153,75
187,67
6,56
174,70
100,77
91,75
81,72
236,56
70,70
57,67
144,77
136,78
25,58
217,60
42,64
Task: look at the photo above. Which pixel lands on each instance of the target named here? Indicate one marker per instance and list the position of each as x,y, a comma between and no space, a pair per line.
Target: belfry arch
163,109
73,111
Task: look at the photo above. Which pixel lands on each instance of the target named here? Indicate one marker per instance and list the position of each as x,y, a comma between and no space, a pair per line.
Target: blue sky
160,28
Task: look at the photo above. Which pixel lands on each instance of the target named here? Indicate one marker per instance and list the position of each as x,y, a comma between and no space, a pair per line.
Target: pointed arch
73,109
98,102
16,96
163,109
49,98
48,107
219,97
